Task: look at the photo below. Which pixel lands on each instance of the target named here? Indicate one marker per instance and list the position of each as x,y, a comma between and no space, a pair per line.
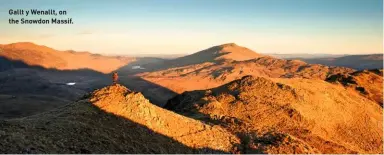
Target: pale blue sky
187,26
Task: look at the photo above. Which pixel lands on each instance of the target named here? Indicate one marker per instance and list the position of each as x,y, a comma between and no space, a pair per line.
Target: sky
134,27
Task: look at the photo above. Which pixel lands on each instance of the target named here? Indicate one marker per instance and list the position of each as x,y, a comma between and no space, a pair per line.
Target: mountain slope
368,83
33,78
213,74
131,105
324,117
112,120
229,51
215,54
37,55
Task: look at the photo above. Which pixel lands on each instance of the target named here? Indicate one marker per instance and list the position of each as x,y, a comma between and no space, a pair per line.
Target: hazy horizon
183,27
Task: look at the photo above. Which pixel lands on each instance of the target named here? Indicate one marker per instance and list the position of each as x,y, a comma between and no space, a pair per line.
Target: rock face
113,120
288,115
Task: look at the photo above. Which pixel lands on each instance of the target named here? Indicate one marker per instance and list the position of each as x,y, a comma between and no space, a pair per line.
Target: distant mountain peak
232,51
215,54
229,45
24,43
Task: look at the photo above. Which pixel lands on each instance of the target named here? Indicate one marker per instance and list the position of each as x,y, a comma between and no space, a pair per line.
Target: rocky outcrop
368,83
122,102
113,120
316,115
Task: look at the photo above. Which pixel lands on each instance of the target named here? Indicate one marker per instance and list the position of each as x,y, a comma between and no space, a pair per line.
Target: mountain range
371,61
223,99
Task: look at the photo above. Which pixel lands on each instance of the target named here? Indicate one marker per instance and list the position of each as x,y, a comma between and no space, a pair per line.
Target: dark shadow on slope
83,128
25,87
27,90
155,93
8,64
73,131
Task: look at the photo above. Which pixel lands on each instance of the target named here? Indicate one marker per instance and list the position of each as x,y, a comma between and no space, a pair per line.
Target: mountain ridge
365,61
112,119
49,58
